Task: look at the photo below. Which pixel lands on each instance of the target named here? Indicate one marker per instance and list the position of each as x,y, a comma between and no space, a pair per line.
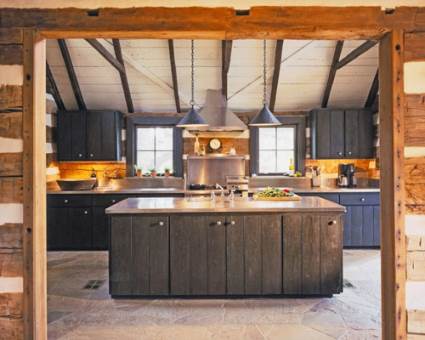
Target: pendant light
265,117
192,119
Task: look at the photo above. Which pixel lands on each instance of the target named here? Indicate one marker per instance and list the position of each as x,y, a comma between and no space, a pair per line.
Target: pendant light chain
192,101
264,74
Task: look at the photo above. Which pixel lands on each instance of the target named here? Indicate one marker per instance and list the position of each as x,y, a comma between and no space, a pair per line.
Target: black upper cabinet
341,134
91,135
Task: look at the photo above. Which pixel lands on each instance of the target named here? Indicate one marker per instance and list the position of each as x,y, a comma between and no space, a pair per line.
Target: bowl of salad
276,194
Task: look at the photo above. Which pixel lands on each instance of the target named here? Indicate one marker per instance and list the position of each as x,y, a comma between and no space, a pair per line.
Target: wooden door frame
188,23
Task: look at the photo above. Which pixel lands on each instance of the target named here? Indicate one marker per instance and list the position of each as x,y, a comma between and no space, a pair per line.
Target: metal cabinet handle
218,222
232,222
362,199
349,152
113,201
332,222
85,212
161,224
80,155
339,153
91,155
65,201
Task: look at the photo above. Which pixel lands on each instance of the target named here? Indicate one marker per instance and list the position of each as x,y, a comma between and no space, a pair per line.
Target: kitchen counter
171,205
181,191
193,247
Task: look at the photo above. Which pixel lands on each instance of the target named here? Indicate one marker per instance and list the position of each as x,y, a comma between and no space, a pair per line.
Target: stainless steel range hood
217,114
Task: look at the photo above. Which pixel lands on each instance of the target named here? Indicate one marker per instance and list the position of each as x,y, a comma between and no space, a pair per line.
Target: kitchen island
198,247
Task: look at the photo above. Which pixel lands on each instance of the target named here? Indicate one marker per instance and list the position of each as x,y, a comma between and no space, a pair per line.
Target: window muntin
154,148
277,146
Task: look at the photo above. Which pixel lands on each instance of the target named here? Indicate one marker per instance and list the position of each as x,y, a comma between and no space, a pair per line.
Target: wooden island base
291,248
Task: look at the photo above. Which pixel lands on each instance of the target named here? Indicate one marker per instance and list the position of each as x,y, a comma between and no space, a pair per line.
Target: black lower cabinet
233,255
142,267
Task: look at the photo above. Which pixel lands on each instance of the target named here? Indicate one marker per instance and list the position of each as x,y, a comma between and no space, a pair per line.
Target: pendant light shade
265,117
192,119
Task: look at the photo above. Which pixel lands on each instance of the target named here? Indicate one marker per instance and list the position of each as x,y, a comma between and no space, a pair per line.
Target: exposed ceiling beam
174,74
226,53
123,75
373,92
54,89
332,72
276,73
105,53
366,46
71,74
152,76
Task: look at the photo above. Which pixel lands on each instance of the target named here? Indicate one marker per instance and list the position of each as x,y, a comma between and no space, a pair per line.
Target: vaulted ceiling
305,69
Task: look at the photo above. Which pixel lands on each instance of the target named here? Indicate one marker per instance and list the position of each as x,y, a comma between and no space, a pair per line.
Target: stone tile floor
78,313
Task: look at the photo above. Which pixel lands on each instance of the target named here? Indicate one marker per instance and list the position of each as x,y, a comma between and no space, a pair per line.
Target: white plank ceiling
304,71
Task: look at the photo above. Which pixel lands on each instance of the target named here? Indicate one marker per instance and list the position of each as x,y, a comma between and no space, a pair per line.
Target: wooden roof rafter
71,74
54,89
174,74
276,73
332,72
123,75
373,92
357,52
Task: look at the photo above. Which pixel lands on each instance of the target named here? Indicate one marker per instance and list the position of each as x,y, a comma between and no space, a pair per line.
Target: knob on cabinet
232,222
161,223
332,222
218,222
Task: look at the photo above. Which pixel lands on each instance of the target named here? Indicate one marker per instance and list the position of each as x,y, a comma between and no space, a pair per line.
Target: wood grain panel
310,258
416,320
11,236
11,36
414,46
415,120
235,256
11,54
415,209
414,170
11,125
11,305
11,328
10,96
11,189
10,164
415,194
11,263
416,265
292,256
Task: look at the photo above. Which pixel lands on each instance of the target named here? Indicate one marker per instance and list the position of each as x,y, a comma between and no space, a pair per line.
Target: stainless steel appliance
347,176
212,169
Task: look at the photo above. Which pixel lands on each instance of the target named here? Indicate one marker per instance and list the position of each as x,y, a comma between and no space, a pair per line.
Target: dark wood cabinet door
254,254
365,134
120,256
327,133
103,135
64,136
78,133
197,248
150,239
58,228
376,226
312,254
352,142
100,239
81,228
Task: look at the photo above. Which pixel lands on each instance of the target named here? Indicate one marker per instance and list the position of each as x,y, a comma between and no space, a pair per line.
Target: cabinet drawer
359,199
107,200
69,200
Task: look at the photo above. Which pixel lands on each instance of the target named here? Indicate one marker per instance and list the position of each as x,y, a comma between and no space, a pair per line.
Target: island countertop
178,205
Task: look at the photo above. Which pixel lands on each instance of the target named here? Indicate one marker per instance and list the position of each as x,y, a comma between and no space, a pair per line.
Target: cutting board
286,198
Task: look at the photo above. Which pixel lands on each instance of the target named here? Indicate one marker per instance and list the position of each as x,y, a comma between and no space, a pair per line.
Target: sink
76,184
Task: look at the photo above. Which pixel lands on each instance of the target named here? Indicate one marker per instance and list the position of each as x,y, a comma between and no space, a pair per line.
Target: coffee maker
346,176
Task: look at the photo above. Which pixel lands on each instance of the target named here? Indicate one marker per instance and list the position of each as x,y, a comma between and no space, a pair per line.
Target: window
276,149
154,149
272,148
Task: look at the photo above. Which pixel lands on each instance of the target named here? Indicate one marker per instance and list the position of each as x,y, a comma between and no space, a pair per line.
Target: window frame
133,122
297,121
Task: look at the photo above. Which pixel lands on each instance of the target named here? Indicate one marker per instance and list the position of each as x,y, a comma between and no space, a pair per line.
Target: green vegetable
275,192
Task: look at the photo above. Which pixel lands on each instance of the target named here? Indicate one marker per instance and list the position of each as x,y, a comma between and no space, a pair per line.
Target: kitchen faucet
218,186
